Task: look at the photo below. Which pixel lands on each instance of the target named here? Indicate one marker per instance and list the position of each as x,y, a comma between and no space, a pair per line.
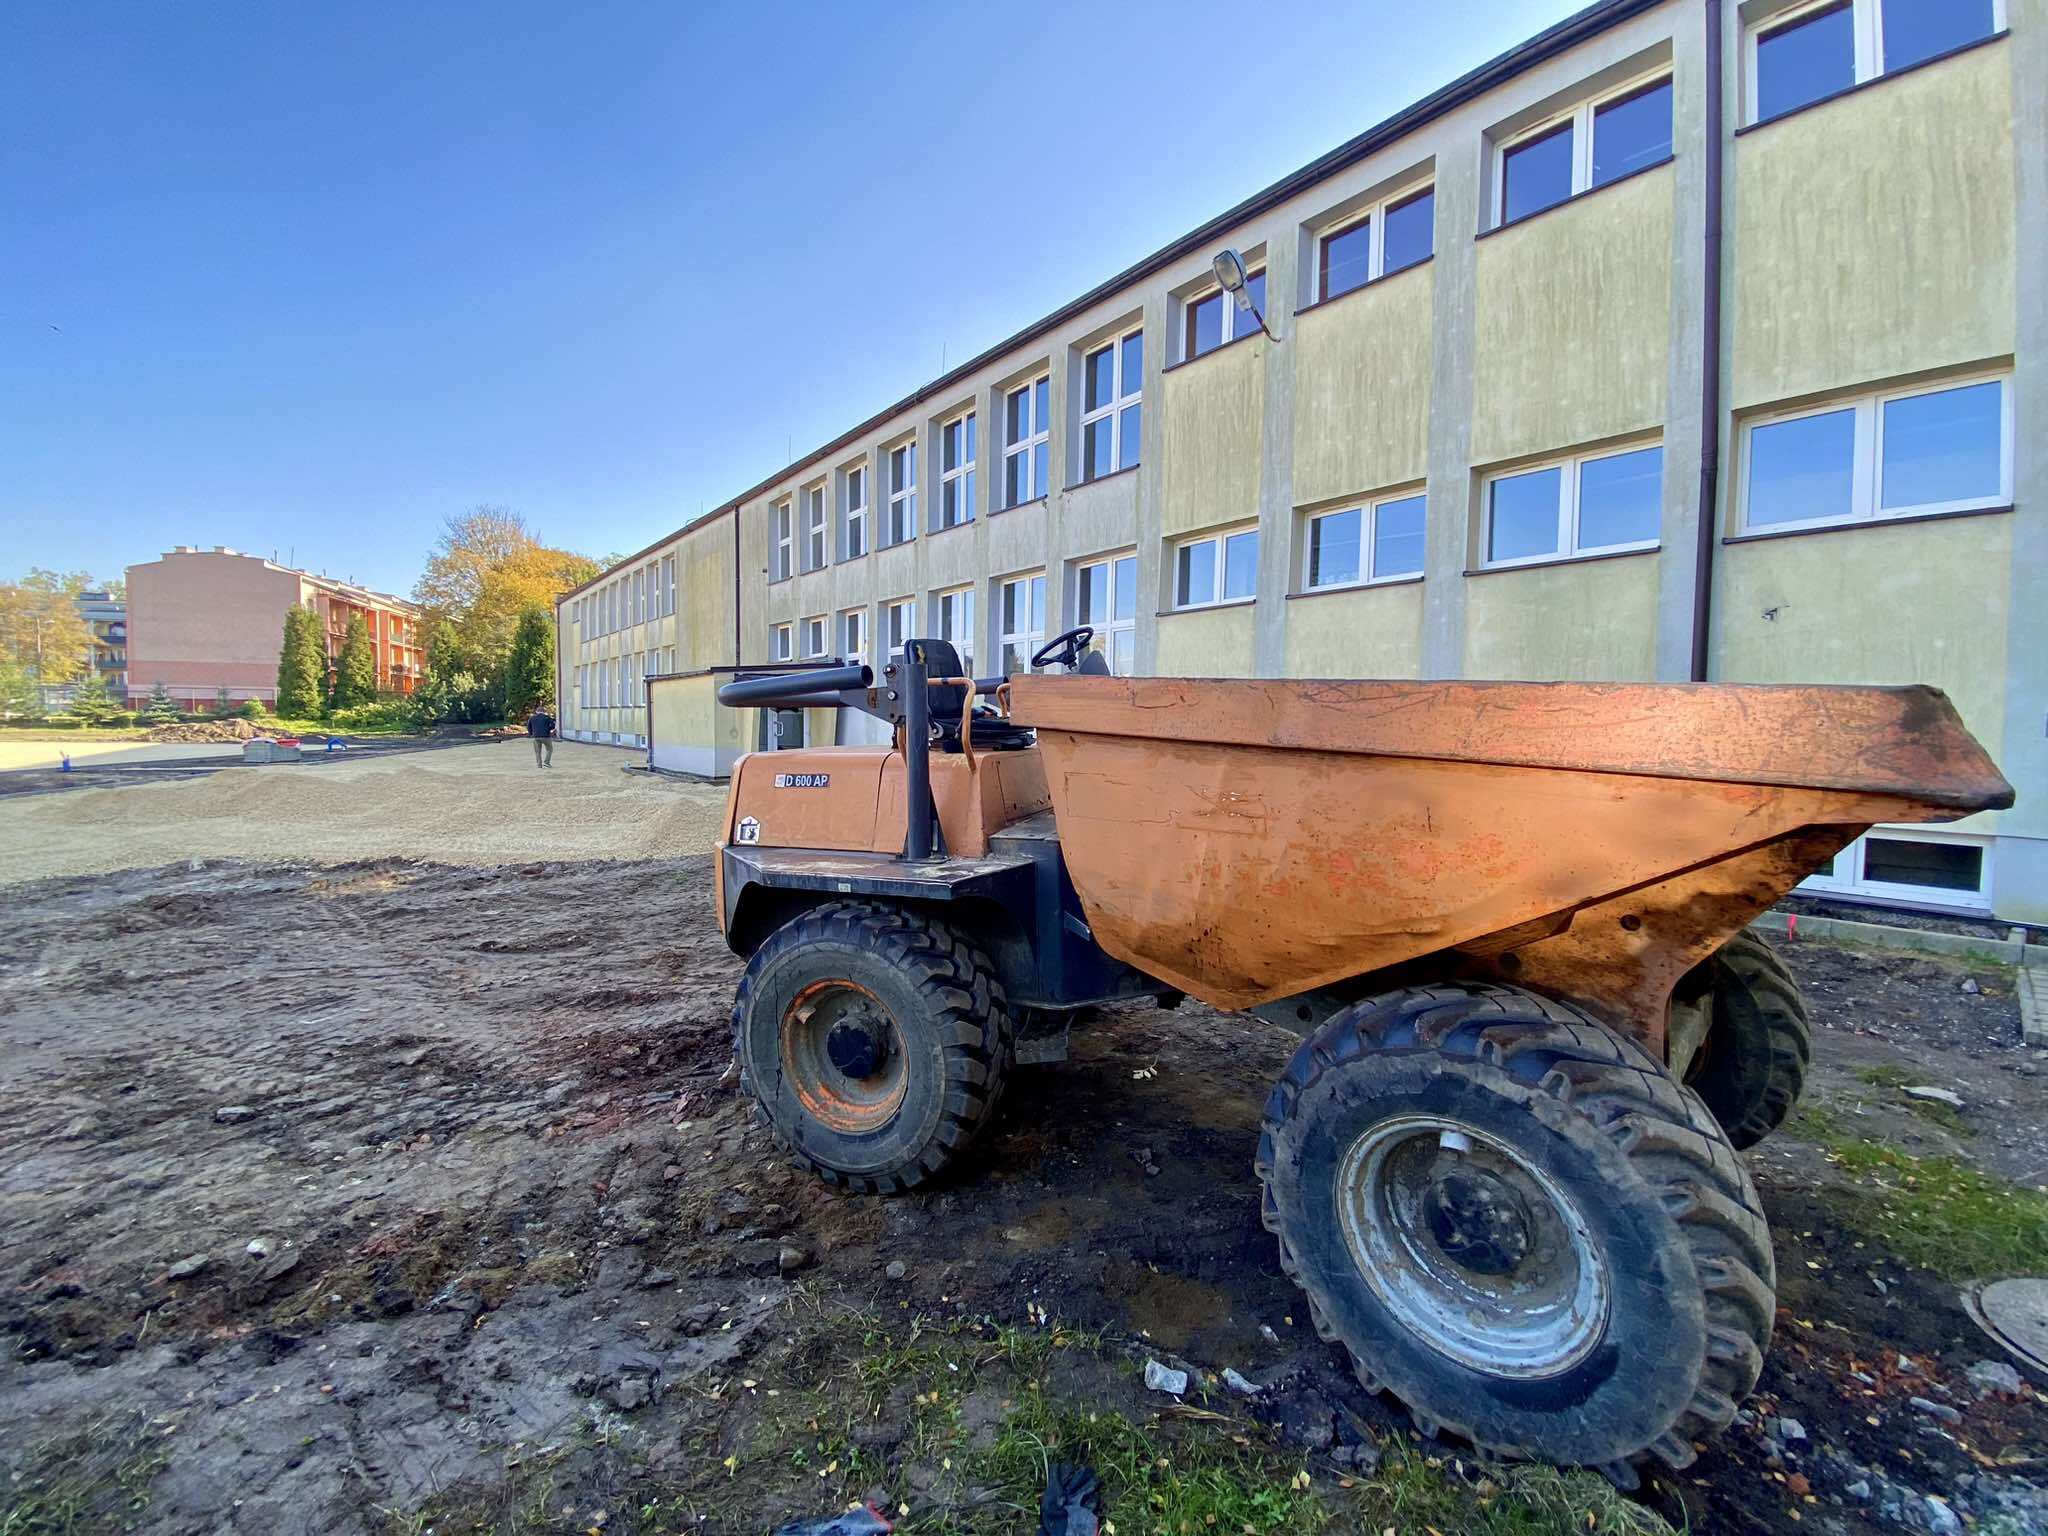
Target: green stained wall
1573,323
1361,389
1592,621
1906,603
1373,632
1211,418
1873,236
1209,642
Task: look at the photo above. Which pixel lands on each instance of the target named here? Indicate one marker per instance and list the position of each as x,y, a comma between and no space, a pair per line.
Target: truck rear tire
1518,1223
875,1040
1751,1067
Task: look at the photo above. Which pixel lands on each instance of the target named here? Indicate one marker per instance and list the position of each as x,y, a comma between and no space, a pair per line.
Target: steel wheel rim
856,1102
1471,1248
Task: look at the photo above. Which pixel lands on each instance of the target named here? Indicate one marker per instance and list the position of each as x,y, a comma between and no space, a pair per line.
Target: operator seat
992,733
1093,665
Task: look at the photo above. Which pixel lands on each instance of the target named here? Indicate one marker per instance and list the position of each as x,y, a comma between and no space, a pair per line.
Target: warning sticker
748,831
802,780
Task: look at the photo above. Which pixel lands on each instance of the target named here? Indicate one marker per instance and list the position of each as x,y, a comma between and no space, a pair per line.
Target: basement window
1596,504
1925,869
1898,453
1799,54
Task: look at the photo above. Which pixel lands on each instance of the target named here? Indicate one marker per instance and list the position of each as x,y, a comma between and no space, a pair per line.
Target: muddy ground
398,1197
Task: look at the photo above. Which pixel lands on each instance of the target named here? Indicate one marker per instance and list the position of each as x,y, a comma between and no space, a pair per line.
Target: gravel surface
472,805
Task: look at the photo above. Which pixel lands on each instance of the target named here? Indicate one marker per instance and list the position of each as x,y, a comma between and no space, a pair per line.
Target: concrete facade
1882,242
200,621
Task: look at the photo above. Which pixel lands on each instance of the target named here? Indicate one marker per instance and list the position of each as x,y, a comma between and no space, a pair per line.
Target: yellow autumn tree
487,568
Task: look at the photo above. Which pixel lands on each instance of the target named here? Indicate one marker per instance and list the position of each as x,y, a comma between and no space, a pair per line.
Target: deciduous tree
485,572
40,630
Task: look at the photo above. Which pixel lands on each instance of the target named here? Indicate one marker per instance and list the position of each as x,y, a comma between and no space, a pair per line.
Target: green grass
1941,1215
1897,1080
96,1480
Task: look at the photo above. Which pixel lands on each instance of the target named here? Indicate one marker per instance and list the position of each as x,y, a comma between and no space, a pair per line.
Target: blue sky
309,278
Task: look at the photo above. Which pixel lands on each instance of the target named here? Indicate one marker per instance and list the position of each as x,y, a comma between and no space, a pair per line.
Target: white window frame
853,634
1376,238
899,623
953,617
782,534
1866,493
1237,323
1368,542
1026,640
854,515
1568,546
782,642
668,586
1110,626
1219,537
1124,395
1846,875
901,526
817,528
814,636
1580,115
963,474
1041,432
1866,25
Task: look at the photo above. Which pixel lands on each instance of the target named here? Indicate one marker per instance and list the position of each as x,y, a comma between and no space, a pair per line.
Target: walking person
540,725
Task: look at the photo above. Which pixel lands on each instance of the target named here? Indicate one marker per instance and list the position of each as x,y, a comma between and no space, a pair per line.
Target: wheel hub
1479,1220
857,1046
1472,1248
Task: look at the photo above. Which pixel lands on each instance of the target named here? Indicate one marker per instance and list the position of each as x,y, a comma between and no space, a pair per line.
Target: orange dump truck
1509,920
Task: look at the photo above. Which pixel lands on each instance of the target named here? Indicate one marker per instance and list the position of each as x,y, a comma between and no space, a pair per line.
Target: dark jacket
540,723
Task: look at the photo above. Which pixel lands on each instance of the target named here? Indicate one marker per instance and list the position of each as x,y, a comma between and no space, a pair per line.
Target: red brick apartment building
200,620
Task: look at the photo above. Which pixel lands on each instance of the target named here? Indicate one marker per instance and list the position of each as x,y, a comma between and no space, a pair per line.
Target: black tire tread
967,1009
1749,963
1669,1135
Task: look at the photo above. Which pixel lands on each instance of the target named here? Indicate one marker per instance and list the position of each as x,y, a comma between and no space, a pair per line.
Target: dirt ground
394,1196
476,804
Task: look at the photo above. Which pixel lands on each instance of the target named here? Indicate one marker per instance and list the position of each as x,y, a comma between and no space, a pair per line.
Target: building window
1602,139
1799,54
782,642
1026,436
1379,541
902,523
1390,235
1214,318
639,614
782,539
1216,568
853,634
1921,868
814,528
954,612
1106,599
1902,453
853,538
814,637
899,623
1023,622
1596,504
668,586
956,471
1112,383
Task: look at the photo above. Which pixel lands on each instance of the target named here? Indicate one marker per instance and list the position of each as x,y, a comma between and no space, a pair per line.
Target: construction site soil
334,1195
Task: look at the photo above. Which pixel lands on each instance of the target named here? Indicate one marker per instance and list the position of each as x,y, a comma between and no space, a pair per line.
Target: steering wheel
1066,649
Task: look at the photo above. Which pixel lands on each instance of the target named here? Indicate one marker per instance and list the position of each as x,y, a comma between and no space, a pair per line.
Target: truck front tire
1519,1224
876,1041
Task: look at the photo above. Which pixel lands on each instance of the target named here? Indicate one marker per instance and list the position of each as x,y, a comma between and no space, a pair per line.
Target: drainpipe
1710,360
